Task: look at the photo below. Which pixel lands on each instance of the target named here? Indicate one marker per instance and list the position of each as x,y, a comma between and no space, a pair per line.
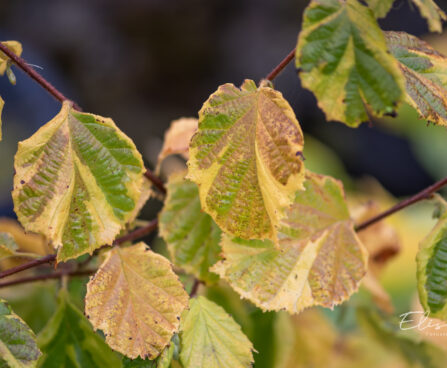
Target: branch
138,233
158,183
424,194
48,276
279,68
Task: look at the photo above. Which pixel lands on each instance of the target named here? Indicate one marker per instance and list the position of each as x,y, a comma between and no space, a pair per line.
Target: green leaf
78,179
246,158
8,245
15,47
409,346
432,13
425,73
210,338
343,58
432,270
18,348
191,235
380,8
318,259
137,300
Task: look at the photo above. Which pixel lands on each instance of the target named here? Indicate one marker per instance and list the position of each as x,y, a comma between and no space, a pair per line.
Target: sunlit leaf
15,47
68,340
432,270
343,58
246,158
177,138
425,72
18,348
432,13
191,235
386,331
319,261
78,179
210,338
8,246
380,8
137,300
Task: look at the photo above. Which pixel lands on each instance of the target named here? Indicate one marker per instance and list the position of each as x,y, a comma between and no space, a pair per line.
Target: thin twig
424,194
36,76
138,233
194,288
158,183
48,276
279,68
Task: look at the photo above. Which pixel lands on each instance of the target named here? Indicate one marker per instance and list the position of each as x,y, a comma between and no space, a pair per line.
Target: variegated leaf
191,235
343,59
425,72
319,261
246,158
137,300
210,338
18,348
78,180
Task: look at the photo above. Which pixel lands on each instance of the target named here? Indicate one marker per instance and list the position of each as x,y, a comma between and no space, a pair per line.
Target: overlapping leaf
68,340
191,235
77,181
210,338
246,158
432,270
137,300
320,260
432,13
342,55
425,72
18,348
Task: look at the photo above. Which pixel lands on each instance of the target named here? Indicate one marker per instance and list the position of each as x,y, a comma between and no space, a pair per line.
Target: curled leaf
246,158
18,348
137,300
425,73
191,235
210,338
78,180
318,261
343,58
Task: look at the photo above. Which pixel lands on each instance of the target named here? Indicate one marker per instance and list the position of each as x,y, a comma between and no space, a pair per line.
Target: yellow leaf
78,180
137,300
246,159
318,261
15,47
27,242
432,13
177,139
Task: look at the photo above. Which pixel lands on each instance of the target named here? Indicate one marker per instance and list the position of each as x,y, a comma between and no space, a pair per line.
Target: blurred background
145,63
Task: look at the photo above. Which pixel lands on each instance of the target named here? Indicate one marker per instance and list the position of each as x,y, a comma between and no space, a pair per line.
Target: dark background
147,62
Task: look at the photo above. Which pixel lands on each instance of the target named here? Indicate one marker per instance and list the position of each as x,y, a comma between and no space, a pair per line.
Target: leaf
246,158
18,348
432,13
319,261
8,246
26,242
15,47
68,340
191,235
177,139
407,345
343,58
137,300
425,72
380,8
77,182
210,338
432,270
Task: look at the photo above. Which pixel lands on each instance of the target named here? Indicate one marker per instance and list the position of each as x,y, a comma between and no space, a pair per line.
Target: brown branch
194,288
279,68
424,194
138,233
48,276
36,76
158,183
